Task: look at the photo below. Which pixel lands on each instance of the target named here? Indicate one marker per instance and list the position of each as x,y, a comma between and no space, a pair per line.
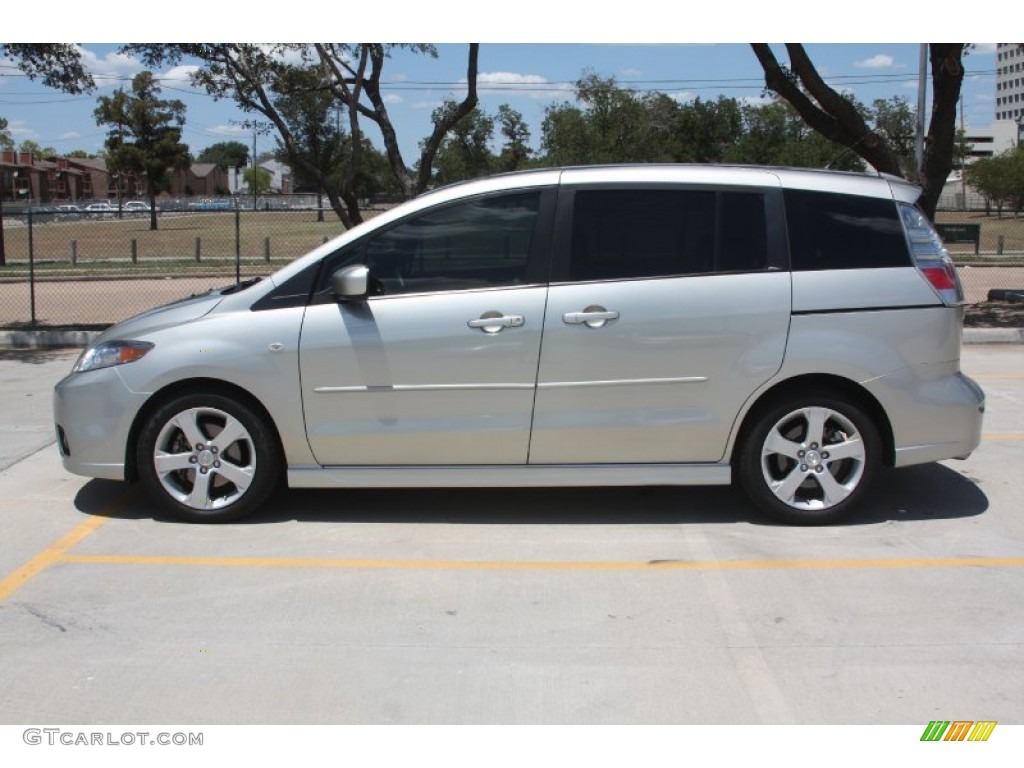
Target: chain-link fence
71,268
91,269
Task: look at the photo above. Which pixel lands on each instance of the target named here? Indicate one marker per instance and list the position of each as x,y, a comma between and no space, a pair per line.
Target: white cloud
881,61
20,130
227,130
70,135
111,70
427,104
682,97
755,101
983,48
631,72
515,84
392,98
181,74
988,98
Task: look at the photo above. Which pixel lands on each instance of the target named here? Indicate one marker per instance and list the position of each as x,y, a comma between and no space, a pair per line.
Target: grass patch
288,234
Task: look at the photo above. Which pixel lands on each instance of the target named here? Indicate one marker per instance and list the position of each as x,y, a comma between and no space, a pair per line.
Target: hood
175,313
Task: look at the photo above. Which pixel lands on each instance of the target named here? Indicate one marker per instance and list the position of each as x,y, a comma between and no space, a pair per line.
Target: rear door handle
492,322
592,317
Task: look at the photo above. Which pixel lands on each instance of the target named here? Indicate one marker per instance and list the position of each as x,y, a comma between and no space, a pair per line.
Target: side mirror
351,283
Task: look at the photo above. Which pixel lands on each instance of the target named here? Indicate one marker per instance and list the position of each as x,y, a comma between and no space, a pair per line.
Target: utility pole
921,75
254,167
120,144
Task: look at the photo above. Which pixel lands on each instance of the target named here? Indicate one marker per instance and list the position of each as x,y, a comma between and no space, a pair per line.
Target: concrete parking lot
658,605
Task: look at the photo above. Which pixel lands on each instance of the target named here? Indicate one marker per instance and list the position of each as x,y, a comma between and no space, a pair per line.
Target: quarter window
836,231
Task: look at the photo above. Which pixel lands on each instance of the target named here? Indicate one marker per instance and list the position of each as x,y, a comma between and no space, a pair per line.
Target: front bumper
93,414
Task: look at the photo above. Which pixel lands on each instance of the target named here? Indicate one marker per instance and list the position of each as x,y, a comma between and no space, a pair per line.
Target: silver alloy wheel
205,458
813,458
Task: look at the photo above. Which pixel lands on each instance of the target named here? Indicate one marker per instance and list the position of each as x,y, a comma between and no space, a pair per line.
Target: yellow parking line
1004,436
517,565
57,551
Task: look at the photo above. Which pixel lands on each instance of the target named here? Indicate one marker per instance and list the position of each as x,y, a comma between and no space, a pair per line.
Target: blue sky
527,76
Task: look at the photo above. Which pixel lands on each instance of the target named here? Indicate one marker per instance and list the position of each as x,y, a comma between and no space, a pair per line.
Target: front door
439,365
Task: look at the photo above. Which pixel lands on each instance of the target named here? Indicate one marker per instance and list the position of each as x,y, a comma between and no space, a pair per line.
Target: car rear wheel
207,458
809,460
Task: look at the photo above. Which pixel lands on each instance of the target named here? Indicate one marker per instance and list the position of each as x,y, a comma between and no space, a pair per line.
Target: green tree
896,122
145,135
838,118
257,177
79,153
225,155
465,152
774,134
314,144
515,151
6,142
706,130
37,151
613,125
1000,179
59,65
255,76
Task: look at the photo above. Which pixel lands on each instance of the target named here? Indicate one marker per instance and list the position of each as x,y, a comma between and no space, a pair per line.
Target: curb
46,339
993,336
80,338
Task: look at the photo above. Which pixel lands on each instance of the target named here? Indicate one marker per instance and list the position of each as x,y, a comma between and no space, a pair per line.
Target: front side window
480,243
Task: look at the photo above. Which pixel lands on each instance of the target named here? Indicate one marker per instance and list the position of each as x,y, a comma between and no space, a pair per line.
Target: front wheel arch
191,387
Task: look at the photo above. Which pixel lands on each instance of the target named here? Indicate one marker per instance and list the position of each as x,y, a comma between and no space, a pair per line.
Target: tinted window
833,231
481,243
648,233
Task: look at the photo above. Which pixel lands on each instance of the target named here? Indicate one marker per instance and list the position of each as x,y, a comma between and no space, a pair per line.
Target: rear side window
835,231
627,233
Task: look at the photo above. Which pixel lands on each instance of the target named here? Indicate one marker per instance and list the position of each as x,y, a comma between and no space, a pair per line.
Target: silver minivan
789,330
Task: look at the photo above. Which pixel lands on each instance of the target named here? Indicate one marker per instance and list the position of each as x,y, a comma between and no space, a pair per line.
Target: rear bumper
935,411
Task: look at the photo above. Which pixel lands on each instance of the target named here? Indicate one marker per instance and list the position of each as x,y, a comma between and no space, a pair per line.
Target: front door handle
593,316
492,322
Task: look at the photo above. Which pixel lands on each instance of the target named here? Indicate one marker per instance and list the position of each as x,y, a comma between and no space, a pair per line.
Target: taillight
930,257
942,278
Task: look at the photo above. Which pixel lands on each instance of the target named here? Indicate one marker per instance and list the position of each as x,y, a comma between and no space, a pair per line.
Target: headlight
111,353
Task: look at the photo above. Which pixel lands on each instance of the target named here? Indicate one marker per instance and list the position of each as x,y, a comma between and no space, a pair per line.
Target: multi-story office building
1009,81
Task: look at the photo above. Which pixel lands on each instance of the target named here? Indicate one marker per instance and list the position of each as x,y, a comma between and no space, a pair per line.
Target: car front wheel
207,458
809,460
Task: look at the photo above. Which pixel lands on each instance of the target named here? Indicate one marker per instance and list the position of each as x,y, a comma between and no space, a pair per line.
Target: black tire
183,437
796,483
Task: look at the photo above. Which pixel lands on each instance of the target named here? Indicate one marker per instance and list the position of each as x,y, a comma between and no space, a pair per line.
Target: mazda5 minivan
790,330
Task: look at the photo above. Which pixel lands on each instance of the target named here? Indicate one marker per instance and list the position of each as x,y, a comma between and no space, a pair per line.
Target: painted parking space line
56,552
1004,436
525,565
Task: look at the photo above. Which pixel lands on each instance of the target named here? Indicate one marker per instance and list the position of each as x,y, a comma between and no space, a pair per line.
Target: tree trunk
152,208
947,79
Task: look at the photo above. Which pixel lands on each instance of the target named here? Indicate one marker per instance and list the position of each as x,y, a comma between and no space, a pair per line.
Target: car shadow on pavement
927,492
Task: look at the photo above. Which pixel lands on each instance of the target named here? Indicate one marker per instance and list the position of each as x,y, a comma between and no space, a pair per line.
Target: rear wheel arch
822,385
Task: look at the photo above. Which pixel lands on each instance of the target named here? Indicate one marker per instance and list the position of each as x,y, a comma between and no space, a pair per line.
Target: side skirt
525,476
